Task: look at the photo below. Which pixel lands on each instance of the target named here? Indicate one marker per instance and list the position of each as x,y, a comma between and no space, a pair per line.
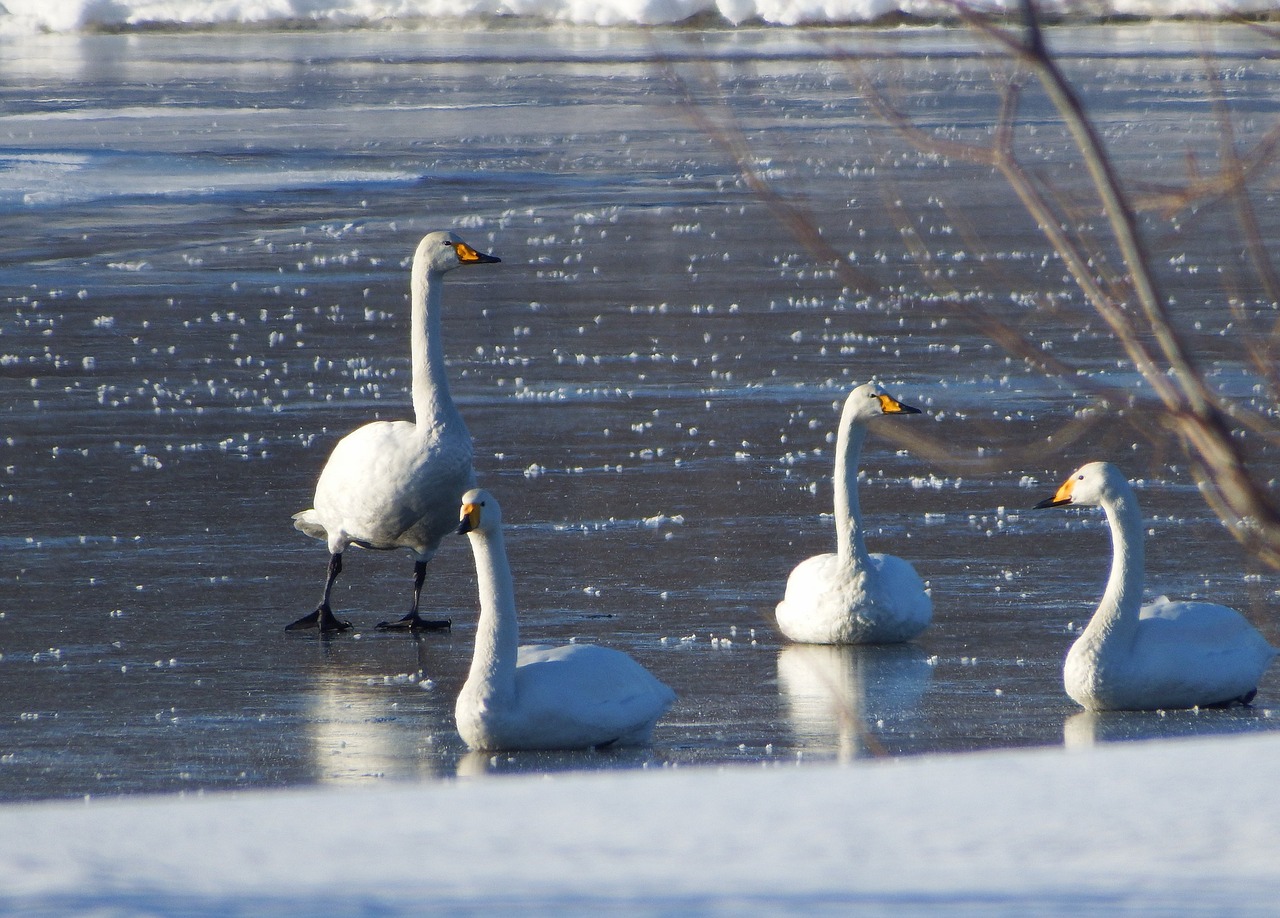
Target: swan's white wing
1205,618
1182,654
1202,643
386,486
901,594
587,695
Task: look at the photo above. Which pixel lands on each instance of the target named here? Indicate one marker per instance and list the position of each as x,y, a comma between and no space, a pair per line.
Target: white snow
1161,827
28,16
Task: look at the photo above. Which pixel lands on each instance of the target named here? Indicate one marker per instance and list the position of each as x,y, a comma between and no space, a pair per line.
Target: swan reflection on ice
358,730
481,763
1089,728
835,694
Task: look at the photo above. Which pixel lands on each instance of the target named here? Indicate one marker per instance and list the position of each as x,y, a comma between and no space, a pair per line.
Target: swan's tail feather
307,523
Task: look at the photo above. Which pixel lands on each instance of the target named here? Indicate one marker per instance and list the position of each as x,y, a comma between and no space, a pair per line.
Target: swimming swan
1161,655
854,596
395,484
577,696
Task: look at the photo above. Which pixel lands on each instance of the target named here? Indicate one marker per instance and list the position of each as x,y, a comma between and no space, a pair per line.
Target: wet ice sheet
207,287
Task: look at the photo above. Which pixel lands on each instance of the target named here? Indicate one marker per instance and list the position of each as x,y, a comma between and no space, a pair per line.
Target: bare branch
1124,292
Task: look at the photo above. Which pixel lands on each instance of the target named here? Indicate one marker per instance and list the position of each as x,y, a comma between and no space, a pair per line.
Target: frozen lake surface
204,271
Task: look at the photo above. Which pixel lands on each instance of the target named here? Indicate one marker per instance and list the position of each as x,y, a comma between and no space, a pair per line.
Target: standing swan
1161,655
395,484
853,596
577,696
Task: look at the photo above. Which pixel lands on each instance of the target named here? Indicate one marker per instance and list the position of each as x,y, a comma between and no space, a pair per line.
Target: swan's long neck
850,544
431,401
493,666
1117,613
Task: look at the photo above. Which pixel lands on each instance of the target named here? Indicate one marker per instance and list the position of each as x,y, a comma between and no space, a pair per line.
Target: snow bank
71,15
1161,827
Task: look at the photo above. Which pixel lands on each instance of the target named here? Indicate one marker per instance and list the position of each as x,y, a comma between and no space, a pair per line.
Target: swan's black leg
413,621
323,616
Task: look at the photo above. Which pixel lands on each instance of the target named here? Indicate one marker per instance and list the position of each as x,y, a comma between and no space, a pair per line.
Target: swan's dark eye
1079,478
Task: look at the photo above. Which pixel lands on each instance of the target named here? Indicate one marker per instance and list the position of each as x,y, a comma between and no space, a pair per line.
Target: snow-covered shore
1168,827
32,16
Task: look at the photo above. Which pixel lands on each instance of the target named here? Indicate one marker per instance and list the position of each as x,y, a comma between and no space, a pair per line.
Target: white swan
1161,655
854,596
577,696
395,484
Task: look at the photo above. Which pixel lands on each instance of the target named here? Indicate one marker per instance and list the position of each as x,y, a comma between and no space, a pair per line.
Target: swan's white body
1164,654
854,596
395,484
385,487
577,696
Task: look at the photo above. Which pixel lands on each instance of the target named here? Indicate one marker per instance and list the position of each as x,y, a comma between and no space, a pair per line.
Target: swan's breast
828,602
387,486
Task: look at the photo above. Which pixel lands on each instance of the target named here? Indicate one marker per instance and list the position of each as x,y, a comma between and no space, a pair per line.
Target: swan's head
443,251
480,512
1089,486
870,401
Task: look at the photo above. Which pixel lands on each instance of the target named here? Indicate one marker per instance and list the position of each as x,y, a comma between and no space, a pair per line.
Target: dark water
204,272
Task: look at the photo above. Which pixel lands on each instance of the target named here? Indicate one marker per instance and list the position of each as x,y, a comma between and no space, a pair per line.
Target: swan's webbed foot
322,618
415,622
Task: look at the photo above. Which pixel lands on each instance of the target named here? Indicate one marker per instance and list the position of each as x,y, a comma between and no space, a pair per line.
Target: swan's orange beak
1061,498
469,256
469,518
890,405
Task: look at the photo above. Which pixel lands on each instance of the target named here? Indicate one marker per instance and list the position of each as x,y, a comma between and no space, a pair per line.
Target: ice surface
240,318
